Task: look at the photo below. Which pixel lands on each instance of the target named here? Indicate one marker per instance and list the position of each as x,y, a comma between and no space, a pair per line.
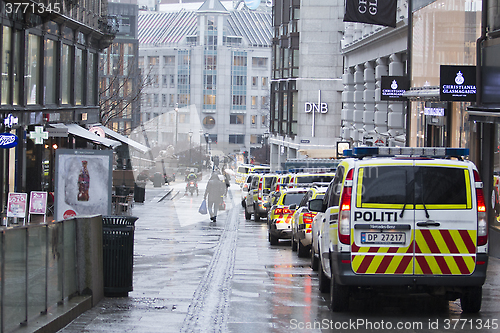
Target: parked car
302,220
280,214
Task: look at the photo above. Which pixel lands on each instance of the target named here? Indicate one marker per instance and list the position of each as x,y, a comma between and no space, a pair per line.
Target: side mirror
316,205
292,206
245,188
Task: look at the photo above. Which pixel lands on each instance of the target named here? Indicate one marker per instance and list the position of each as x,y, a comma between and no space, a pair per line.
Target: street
193,275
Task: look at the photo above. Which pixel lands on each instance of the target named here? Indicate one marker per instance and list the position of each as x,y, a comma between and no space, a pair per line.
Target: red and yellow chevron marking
382,260
445,252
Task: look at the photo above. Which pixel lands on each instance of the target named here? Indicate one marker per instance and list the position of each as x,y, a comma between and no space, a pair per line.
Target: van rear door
446,219
382,220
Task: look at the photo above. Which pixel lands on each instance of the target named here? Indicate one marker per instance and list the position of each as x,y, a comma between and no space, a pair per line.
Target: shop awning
131,143
77,130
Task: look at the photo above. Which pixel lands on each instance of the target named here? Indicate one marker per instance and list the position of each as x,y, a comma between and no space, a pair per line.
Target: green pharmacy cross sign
39,135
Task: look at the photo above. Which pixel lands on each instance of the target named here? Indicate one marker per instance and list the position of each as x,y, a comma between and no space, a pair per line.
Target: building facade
49,55
208,77
306,86
119,76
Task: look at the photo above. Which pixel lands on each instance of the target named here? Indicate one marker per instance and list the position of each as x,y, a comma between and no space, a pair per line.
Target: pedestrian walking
214,192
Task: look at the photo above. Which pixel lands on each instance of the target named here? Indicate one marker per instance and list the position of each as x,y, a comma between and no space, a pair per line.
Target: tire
324,281
248,216
256,216
314,260
302,251
273,239
471,299
339,296
243,204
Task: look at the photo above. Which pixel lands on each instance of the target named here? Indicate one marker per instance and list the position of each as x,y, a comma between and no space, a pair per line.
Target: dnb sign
314,107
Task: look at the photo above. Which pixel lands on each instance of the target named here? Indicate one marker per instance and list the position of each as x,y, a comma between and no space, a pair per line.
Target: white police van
404,219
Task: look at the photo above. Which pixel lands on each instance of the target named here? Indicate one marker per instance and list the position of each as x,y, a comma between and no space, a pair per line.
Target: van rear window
412,185
293,198
314,179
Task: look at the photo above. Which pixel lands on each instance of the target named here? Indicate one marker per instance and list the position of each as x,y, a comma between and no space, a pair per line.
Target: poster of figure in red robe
83,183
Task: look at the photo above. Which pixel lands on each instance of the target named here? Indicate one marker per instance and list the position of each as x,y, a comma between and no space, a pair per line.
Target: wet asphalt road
193,275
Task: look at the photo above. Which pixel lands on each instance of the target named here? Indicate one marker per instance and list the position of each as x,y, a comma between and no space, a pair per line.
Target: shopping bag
203,207
222,205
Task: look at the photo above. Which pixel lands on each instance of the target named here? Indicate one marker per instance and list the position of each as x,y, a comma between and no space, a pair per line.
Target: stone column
369,99
395,117
359,105
347,113
381,69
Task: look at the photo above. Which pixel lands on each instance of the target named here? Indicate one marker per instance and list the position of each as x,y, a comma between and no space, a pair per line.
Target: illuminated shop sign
457,83
393,88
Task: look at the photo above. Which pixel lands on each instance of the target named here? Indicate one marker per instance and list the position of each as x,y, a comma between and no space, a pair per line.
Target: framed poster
83,182
16,204
38,202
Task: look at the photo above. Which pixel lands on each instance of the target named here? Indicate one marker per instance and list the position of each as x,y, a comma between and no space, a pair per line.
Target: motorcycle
191,187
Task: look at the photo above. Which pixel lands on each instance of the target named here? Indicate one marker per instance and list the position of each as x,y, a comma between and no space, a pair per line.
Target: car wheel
243,204
339,296
256,216
471,299
294,244
273,239
302,251
324,281
248,216
314,260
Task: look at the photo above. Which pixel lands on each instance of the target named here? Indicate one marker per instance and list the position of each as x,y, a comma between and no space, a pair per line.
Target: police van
404,219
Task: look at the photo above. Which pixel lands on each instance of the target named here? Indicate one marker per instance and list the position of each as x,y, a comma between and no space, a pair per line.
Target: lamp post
190,138
266,145
176,121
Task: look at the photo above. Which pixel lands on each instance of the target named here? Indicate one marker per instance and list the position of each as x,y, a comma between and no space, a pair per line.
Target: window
79,70
237,138
155,100
239,80
239,100
237,119
264,120
32,69
50,72
254,102
255,82
169,60
164,81
259,62
264,83
172,81
239,61
209,99
210,62
208,122
171,100
254,120
264,103
6,53
163,99
153,61
210,81
66,74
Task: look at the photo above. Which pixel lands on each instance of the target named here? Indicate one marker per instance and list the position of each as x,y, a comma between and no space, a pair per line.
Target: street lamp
206,140
190,138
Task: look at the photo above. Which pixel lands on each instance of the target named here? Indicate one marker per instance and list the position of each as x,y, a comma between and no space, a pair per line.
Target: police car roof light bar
442,152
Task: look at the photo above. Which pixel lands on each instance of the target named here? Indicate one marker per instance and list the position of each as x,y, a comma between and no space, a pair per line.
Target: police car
404,219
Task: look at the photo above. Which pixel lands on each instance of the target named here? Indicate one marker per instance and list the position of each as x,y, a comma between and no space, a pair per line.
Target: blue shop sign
8,140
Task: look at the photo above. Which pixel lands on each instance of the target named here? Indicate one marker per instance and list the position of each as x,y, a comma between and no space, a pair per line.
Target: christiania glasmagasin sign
394,87
457,83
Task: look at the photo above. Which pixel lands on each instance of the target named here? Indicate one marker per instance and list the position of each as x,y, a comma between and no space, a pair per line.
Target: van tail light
277,187
482,220
308,217
345,212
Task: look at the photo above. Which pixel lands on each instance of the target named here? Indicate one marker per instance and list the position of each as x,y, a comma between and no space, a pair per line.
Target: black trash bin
118,254
140,192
